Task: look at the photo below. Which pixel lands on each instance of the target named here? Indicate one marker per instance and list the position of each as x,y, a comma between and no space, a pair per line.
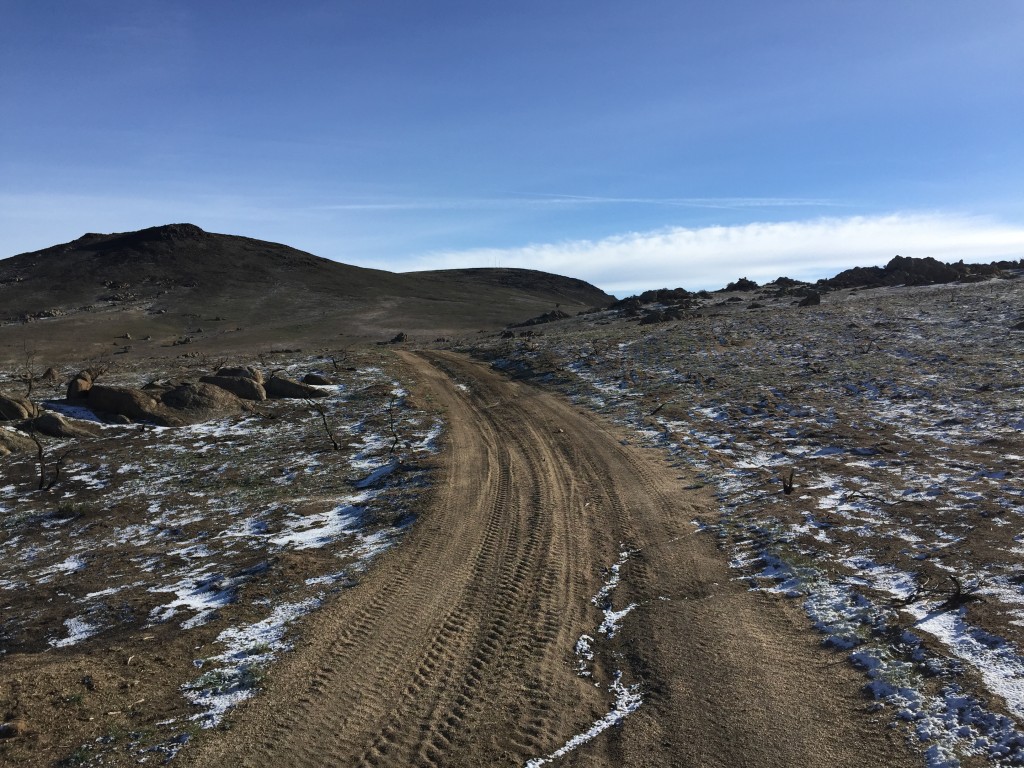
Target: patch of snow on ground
627,701
240,667
584,655
201,593
73,412
78,630
70,565
613,620
315,531
998,662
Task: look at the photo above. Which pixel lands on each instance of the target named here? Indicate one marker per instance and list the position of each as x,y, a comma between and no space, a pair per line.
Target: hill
177,282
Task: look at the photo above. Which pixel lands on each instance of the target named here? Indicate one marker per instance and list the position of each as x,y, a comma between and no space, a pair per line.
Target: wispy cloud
692,202
552,200
709,257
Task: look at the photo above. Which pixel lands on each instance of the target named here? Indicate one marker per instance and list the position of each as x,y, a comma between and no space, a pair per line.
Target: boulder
13,729
16,407
125,401
55,425
240,386
197,402
12,441
246,372
810,300
80,385
280,386
316,378
78,388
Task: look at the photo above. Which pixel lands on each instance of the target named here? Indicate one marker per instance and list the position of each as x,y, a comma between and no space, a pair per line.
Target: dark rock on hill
547,317
743,284
812,299
906,270
660,316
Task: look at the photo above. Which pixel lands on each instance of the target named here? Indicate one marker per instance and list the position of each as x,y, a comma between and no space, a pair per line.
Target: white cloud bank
710,257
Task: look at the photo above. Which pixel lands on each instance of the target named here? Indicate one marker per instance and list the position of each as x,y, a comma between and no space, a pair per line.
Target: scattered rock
50,376
660,316
547,317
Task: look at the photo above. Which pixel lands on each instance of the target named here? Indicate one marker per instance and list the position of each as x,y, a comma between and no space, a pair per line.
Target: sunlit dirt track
458,648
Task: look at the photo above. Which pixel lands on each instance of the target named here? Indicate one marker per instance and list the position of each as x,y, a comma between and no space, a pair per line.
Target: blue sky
635,145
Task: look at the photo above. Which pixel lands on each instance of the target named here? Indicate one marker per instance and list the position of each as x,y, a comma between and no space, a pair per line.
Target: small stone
13,729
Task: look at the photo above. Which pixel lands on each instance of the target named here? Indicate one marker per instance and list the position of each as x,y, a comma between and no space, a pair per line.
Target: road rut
457,647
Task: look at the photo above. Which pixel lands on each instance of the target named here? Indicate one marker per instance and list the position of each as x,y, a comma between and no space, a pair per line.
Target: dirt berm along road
457,648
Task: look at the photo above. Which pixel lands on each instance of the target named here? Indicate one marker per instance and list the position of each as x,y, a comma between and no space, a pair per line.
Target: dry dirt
155,583
597,568
459,648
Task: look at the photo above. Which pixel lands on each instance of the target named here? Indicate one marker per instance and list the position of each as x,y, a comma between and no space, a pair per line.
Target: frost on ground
627,698
188,553
627,701
896,415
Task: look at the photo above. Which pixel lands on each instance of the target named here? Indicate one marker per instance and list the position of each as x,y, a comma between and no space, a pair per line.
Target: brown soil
118,584
457,648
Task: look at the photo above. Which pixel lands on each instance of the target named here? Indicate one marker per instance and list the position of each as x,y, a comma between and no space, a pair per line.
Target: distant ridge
168,280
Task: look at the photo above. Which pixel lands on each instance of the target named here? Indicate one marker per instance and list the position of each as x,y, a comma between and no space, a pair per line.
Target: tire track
458,647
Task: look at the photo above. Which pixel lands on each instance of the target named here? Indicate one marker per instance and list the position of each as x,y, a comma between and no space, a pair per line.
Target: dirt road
458,648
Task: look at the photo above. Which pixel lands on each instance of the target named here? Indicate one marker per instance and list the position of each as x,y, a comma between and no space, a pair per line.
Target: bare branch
787,482
323,415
